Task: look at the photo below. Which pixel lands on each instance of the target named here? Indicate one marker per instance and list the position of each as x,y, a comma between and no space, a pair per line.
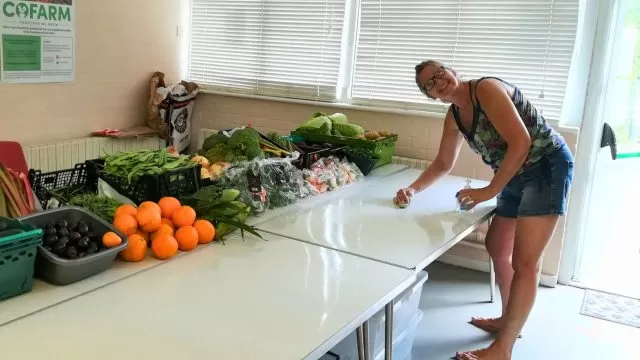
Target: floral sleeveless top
485,140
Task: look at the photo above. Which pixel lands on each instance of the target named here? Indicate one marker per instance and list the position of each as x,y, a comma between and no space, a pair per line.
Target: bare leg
499,244
532,237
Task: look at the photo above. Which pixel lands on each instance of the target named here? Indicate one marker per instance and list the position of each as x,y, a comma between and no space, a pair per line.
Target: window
268,47
303,49
528,43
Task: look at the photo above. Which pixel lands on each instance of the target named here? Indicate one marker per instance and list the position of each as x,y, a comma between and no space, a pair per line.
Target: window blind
527,43
288,48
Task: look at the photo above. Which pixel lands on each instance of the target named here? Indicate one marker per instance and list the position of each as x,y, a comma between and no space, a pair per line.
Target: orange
168,222
184,216
125,209
164,229
187,237
145,235
111,239
126,224
164,246
206,231
152,205
149,219
168,205
136,249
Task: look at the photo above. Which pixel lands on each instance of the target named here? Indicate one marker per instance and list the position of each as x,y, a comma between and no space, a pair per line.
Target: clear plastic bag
331,173
267,183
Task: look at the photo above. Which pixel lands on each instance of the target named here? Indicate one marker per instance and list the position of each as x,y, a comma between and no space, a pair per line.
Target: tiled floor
555,330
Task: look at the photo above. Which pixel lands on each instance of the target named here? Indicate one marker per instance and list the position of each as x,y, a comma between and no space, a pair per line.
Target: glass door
602,248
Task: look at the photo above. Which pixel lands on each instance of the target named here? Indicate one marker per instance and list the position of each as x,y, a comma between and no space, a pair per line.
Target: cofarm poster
37,41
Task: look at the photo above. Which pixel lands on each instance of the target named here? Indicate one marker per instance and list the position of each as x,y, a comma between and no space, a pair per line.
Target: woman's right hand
403,196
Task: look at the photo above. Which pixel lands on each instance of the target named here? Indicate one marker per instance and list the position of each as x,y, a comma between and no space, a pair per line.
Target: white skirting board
479,265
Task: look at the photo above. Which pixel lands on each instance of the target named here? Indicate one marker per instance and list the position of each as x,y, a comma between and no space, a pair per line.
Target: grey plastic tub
59,271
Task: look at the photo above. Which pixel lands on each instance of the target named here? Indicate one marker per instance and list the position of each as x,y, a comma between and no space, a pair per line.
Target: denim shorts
541,189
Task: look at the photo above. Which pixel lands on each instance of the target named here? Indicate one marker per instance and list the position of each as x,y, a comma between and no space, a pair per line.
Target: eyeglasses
432,81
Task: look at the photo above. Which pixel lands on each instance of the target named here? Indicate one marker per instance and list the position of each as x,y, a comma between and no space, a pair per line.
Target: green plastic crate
17,258
382,148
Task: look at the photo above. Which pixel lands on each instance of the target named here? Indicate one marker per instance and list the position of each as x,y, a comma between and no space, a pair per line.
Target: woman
533,170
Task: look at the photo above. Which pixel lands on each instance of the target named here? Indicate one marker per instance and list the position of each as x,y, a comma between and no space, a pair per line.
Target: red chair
12,156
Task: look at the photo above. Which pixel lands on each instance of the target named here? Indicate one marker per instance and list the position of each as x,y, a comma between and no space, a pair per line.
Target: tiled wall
119,43
419,137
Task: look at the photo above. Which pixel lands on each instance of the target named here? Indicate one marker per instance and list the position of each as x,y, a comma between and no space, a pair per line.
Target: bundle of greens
103,206
221,206
244,144
283,142
133,164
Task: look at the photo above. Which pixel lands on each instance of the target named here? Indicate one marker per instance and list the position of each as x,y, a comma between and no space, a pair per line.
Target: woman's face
437,81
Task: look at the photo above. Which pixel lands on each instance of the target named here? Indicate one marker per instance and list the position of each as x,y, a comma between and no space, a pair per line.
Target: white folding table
368,224
44,295
252,299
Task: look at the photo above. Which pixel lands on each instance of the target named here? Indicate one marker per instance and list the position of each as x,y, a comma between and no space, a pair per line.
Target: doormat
616,308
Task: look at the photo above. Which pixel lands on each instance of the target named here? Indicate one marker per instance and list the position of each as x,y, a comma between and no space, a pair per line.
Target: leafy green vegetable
350,130
283,142
221,207
103,206
214,140
133,164
338,118
318,124
242,145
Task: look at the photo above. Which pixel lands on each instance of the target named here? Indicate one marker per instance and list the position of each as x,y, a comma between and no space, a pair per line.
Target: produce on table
265,184
164,246
337,124
281,141
69,240
348,130
243,144
136,249
206,231
111,239
318,124
331,173
221,207
16,197
187,238
133,164
184,216
103,206
168,205
165,227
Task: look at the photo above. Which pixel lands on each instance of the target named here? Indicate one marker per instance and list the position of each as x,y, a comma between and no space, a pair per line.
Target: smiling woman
533,170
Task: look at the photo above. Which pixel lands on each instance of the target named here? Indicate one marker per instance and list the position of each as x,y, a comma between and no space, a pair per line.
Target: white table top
44,295
368,224
373,177
279,299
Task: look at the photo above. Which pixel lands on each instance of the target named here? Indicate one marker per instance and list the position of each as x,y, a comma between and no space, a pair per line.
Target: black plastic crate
309,153
60,184
365,163
177,183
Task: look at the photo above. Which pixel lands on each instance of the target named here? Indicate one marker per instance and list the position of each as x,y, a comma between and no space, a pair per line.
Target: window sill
404,112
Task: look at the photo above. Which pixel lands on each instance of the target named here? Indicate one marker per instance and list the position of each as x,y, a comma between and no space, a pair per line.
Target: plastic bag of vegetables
268,183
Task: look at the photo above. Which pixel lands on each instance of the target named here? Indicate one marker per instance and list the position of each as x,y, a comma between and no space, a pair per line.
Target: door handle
609,139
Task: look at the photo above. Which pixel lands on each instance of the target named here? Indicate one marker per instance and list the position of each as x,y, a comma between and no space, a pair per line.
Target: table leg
365,340
360,340
388,331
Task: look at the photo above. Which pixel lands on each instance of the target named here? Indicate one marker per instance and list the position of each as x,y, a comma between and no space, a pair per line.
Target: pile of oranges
165,227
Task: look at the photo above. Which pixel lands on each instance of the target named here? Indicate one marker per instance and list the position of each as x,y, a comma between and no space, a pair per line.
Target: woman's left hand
469,198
